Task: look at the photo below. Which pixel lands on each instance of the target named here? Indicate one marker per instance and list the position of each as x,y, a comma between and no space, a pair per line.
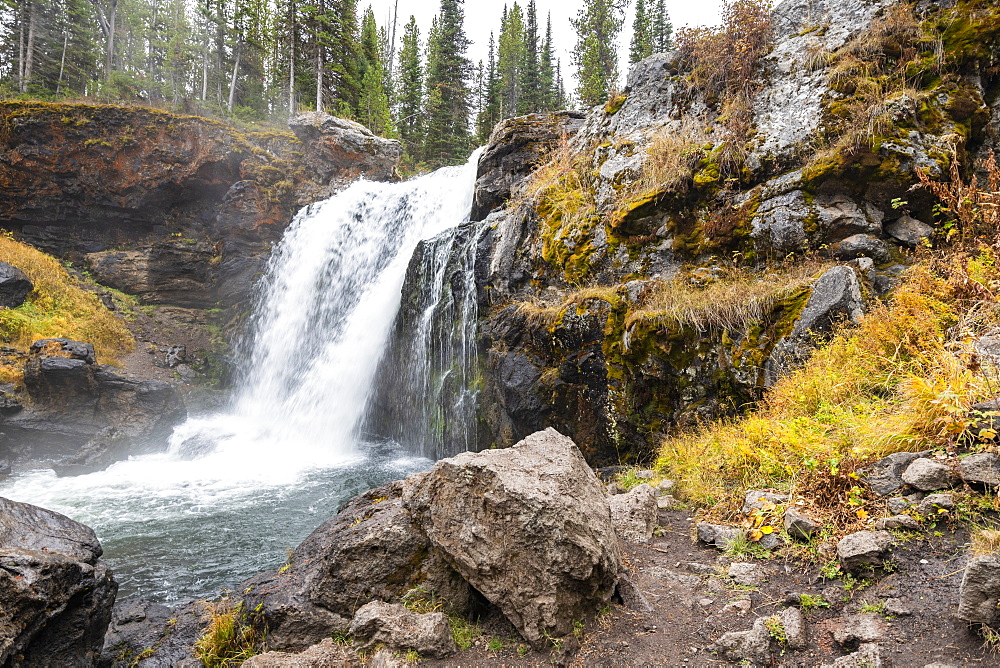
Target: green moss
615,103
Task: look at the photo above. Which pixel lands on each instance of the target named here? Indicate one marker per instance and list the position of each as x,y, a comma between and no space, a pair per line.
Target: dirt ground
693,602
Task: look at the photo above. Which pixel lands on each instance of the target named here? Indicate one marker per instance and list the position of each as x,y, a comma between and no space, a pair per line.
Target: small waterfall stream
235,490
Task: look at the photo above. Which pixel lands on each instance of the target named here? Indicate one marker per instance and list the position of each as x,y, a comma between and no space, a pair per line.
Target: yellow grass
58,307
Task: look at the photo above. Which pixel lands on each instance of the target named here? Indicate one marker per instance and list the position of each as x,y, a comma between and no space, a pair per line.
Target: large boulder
370,551
979,598
528,527
84,415
56,595
516,147
634,513
835,298
14,286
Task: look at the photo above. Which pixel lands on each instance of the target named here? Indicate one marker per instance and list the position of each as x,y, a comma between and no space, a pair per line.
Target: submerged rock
56,595
528,527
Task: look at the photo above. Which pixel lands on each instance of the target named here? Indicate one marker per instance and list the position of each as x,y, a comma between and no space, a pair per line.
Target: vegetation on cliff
57,307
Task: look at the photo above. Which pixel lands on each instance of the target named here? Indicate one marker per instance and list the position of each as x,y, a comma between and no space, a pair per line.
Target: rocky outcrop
179,209
643,194
79,414
56,595
399,628
516,147
528,527
338,151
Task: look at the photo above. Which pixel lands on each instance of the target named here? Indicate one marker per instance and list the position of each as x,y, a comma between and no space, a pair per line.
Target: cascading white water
235,490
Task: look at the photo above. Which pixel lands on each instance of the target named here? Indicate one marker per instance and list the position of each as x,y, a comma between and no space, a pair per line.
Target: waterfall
425,392
236,489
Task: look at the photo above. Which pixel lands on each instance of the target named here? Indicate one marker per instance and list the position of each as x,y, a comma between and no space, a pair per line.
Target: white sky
483,16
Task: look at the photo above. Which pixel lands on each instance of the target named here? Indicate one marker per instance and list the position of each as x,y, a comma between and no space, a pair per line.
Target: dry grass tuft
734,302
231,636
986,541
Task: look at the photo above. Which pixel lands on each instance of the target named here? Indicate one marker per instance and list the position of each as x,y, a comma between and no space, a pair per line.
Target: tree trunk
29,60
62,61
20,50
236,69
111,38
319,81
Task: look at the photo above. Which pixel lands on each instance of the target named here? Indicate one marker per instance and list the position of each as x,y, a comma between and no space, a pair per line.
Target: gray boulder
979,597
898,504
909,231
856,629
897,522
719,535
868,655
863,550
633,514
162,636
982,468
397,627
371,550
835,298
516,147
326,653
56,595
338,150
14,286
798,526
528,527
886,475
861,245
933,504
757,645
755,499
927,475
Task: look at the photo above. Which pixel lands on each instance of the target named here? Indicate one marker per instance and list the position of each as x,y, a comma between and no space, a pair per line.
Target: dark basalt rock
14,286
516,147
145,634
56,595
82,415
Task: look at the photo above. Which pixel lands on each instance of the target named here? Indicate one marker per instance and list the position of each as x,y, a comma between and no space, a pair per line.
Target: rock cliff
675,254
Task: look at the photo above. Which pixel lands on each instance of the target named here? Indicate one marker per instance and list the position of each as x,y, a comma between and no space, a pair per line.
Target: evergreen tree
448,95
373,102
489,113
642,36
531,91
597,25
410,88
661,30
510,60
546,71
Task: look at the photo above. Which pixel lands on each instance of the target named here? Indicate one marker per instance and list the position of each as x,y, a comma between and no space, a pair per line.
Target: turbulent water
236,490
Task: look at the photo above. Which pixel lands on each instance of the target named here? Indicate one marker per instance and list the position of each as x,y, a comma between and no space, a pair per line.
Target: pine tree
448,95
510,60
661,30
489,114
373,102
546,71
531,91
642,36
597,25
410,88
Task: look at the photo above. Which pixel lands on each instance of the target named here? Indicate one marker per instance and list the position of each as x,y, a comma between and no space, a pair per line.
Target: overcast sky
483,17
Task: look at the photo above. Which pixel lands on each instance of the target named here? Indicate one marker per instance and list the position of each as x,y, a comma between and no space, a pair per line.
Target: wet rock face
84,415
55,593
528,527
516,147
